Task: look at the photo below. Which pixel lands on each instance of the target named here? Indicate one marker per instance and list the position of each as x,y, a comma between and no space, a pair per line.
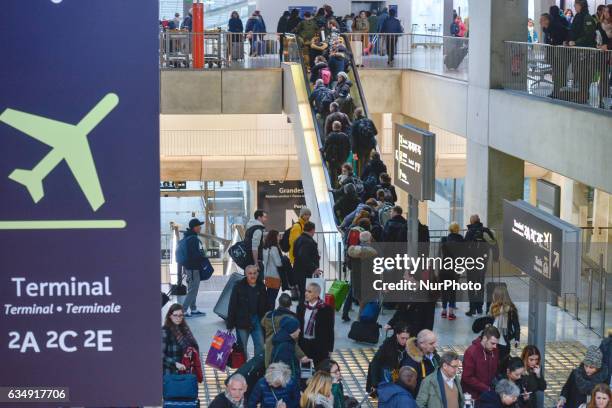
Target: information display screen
414,161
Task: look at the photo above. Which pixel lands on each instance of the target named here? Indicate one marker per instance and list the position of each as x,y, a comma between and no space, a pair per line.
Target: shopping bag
237,357
340,290
220,349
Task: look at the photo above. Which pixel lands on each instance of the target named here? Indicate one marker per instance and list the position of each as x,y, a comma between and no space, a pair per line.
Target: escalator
316,179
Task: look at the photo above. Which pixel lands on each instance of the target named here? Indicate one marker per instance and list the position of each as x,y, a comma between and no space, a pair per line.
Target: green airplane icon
69,143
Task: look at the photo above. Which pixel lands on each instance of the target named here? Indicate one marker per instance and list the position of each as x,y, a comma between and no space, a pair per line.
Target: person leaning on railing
582,34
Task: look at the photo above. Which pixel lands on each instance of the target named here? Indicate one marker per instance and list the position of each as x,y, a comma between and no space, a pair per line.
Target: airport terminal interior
473,106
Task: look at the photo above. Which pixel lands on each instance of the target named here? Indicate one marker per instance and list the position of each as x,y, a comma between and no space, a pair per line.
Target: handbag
238,252
179,289
271,282
180,387
206,269
220,349
237,357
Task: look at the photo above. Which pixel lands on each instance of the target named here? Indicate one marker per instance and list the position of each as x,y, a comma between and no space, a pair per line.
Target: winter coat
307,29
391,188
267,396
315,73
520,402
272,261
578,386
513,329
292,24
322,97
343,89
281,27
577,32
221,401
391,395
337,147
373,23
432,392
417,360
374,168
361,259
254,239
337,63
396,230
255,24
324,327
363,136
533,384
283,351
381,21
489,399
606,351
340,117
234,25
392,25
452,246
268,325
386,360
195,251
346,204
307,257
294,233
557,32
479,369
239,314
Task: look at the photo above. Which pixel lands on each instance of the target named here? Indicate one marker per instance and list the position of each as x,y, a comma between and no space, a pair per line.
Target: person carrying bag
272,261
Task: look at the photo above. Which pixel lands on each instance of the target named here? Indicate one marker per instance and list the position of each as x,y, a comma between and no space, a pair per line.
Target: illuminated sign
542,246
414,161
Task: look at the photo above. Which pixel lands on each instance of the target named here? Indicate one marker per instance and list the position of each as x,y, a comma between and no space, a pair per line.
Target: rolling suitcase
364,332
221,309
357,48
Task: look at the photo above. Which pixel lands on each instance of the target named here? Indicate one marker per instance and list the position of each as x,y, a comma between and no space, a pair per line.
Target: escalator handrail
364,104
316,126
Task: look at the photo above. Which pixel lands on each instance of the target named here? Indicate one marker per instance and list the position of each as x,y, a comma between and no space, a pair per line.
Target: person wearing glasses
176,339
442,388
332,367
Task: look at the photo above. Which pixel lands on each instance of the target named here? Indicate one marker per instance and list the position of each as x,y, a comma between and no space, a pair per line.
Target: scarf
184,337
322,400
234,404
309,332
584,383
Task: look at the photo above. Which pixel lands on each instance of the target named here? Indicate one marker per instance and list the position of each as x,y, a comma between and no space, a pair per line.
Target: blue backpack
370,312
182,252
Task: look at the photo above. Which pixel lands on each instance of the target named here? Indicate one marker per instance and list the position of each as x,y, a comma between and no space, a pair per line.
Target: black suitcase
221,309
252,370
365,332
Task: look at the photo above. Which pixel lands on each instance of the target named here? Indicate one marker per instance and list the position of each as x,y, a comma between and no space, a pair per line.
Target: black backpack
248,238
324,101
284,242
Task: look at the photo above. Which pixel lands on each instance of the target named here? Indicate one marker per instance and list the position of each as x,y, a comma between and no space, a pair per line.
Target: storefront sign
282,200
542,246
79,130
414,161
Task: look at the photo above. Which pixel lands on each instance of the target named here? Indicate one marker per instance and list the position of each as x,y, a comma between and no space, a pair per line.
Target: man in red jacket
480,363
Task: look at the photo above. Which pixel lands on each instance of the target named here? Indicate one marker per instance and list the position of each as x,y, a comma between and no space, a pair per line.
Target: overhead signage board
414,161
79,174
541,245
282,200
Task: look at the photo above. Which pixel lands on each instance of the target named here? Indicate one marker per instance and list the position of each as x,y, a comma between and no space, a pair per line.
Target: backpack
589,27
241,252
353,236
384,214
324,102
284,242
325,75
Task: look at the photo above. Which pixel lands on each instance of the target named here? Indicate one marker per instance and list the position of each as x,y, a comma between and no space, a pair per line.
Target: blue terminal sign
79,129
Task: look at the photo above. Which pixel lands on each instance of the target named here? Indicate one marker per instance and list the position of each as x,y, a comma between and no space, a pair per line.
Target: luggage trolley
214,44
175,48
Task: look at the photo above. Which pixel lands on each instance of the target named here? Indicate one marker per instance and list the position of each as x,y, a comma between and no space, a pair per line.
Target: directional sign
542,246
414,161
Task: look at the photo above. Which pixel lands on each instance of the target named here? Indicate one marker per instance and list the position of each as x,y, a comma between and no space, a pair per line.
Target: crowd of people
579,31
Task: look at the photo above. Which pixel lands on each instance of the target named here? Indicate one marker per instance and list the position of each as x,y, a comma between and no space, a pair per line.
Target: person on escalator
321,98
337,60
342,91
363,139
335,151
336,115
346,201
320,70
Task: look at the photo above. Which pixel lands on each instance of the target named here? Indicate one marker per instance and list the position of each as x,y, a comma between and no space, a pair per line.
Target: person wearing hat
194,258
583,379
297,229
283,345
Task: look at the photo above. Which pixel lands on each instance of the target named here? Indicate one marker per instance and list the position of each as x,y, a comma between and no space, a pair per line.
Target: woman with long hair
271,258
176,339
533,378
513,370
333,368
601,397
506,320
318,392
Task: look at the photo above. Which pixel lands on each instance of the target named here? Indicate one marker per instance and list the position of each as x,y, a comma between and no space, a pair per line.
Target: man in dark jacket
400,394
187,22
387,187
556,31
582,34
336,150
477,240
396,229
307,257
293,21
234,394
336,115
393,28
363,135
316,325
248,304
480,363
321,98
281,28
191,268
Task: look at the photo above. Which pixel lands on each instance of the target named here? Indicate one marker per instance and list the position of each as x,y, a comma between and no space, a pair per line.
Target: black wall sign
542,246
414,161
172,185
282,200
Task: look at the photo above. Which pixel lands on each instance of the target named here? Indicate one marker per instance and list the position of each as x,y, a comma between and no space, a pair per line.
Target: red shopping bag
237,357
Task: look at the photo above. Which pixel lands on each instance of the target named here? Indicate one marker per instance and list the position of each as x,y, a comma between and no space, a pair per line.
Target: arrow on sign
555,259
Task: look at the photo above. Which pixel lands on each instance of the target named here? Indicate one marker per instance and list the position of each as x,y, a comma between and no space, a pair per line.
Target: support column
447,18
